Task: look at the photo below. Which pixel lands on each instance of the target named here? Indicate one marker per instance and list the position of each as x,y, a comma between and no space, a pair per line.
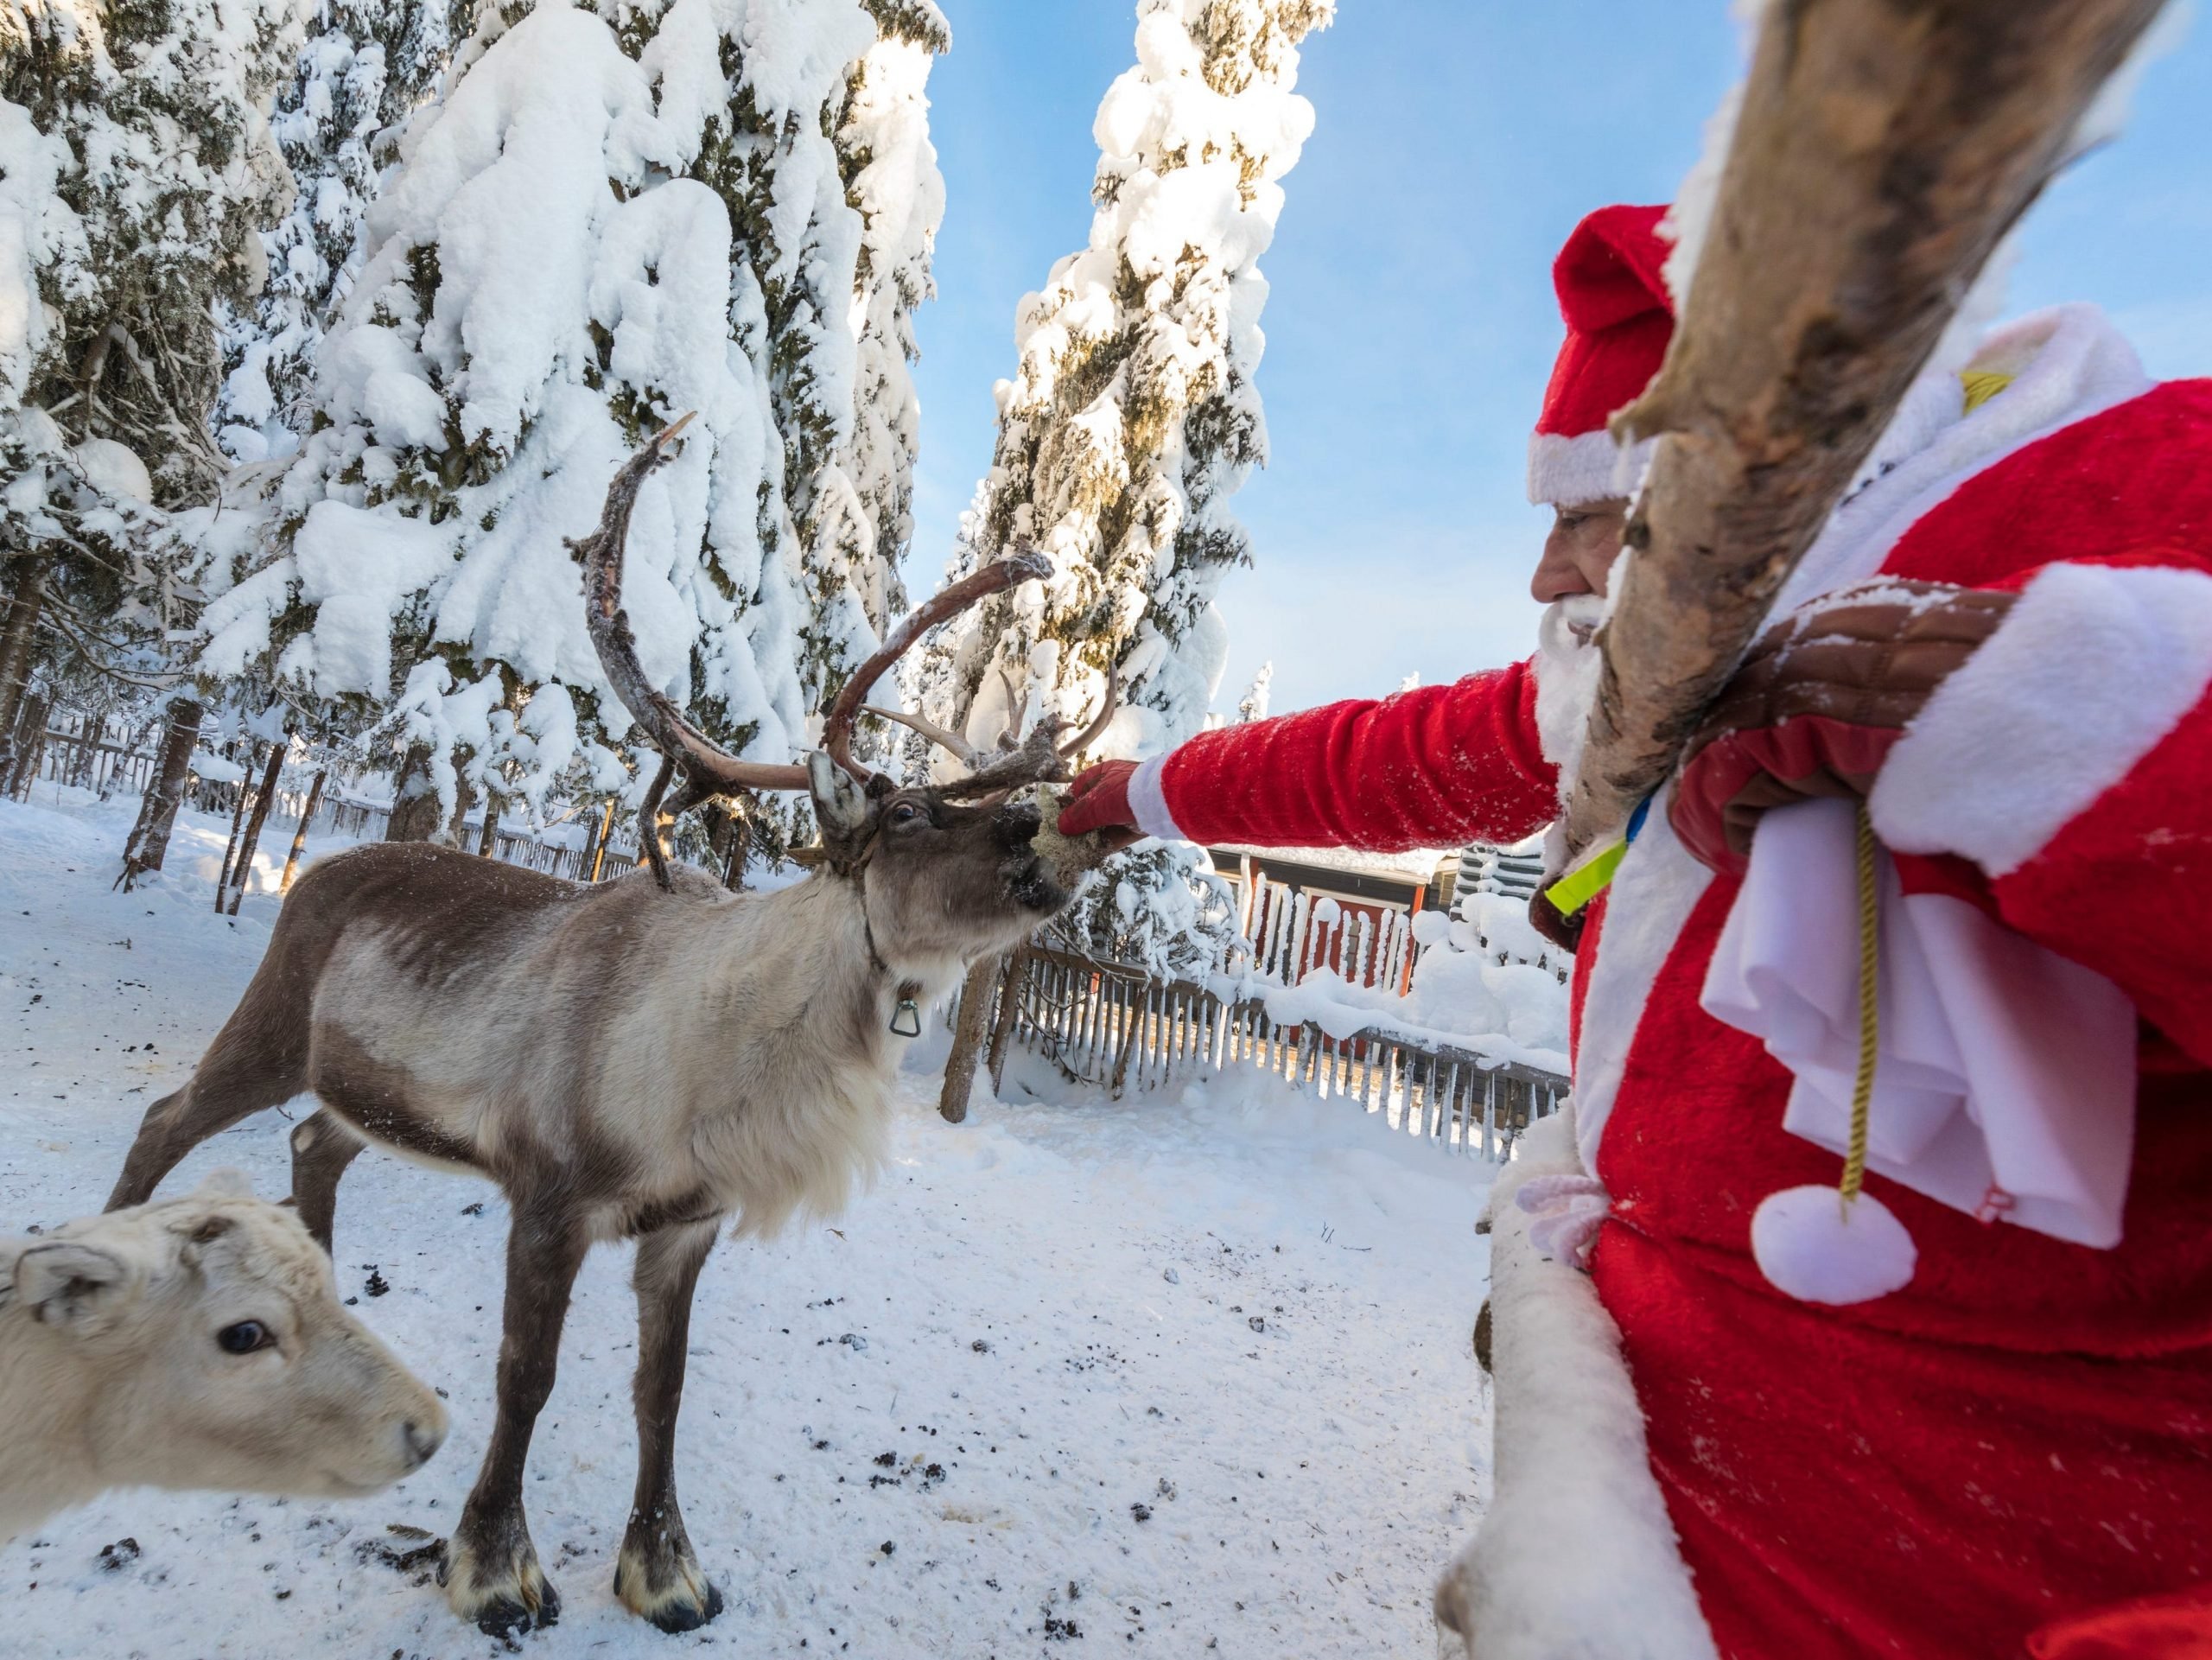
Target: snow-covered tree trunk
149,843
1132,416
299,834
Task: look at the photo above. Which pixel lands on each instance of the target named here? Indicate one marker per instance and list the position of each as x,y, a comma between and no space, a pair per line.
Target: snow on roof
1417,866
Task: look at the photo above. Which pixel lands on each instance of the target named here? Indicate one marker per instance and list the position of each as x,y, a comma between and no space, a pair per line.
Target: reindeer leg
491,1572
657,1575
323,1147
258,1060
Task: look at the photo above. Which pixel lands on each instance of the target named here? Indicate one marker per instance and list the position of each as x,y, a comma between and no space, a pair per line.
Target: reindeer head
949,867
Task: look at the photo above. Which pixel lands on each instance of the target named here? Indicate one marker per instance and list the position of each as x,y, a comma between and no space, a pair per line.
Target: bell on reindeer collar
906,1018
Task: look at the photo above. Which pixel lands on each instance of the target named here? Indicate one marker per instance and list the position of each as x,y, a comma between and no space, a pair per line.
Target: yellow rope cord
1870,957
1981,386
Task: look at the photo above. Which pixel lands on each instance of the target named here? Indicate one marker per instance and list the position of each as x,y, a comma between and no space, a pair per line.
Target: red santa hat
1612,293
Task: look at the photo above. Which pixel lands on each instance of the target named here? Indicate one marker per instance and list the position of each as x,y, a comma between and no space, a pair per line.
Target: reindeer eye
245,1337
905,813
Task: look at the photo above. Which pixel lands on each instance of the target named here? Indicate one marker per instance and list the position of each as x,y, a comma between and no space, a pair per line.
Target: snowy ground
1176,1379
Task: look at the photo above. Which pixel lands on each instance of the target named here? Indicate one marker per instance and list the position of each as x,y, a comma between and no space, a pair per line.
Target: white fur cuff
2092,667
1149,802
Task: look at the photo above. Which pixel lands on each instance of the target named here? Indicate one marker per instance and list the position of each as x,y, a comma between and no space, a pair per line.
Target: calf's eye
245,1337
905,813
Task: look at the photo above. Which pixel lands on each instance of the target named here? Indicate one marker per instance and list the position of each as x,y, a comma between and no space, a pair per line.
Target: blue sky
1411,323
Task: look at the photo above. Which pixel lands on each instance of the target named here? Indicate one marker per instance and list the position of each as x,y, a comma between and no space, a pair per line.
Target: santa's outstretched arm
1434,766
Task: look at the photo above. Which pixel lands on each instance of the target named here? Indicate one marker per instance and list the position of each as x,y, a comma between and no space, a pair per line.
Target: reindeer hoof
499,1599
674,1596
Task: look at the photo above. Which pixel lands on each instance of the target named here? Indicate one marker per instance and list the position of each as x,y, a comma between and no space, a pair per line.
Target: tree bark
1017,965
1884,148
414,815
487,840
300,835
729,834
237,821
243,866
85,758
18,634
968,1030
455,834
16,776
149,837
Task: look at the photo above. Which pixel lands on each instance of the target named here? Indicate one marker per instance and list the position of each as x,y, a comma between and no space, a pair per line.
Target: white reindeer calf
195,1343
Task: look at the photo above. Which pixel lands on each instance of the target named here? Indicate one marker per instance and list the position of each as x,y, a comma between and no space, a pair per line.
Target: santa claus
1975,1416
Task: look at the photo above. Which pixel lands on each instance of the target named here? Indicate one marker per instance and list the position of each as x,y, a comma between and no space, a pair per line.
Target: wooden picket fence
1118,1028
1293,932
366,821
90,752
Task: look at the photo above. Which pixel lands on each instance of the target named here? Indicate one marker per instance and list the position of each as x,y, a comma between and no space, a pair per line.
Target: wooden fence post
967,1029
1017,970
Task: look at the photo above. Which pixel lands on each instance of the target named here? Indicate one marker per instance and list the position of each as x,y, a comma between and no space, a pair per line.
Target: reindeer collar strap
906,1018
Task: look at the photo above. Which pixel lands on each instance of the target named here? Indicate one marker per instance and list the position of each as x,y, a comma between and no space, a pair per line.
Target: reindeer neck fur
783,1121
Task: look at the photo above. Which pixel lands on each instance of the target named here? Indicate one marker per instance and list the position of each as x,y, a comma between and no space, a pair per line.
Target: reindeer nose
1018,826
422,1440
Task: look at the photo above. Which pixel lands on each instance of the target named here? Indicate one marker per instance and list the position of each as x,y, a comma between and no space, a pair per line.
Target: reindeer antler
1019,566
709,769
684,745
930,729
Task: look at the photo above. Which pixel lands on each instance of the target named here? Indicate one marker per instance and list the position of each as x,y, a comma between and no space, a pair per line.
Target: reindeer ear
227,1183
74,1287
841,802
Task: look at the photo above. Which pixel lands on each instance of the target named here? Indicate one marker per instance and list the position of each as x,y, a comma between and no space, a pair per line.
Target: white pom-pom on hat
1813,1245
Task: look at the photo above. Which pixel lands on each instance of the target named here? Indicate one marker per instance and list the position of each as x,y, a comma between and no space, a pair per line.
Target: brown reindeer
642,1060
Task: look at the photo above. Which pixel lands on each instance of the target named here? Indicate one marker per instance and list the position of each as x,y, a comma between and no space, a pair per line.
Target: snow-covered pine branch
135,166
365,67
598,227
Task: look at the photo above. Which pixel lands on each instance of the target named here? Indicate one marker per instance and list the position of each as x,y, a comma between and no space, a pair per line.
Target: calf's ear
76,1288
227,1183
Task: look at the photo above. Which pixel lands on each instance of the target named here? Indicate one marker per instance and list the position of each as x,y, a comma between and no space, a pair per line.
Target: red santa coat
2024,1431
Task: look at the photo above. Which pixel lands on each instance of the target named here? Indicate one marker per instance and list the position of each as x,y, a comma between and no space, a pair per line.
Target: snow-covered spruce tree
135,166
837,236
1132,418
1253,706
598,228
366,65
892,180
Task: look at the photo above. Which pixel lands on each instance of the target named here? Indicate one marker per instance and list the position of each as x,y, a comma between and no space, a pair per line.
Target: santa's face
1580,550
1573,579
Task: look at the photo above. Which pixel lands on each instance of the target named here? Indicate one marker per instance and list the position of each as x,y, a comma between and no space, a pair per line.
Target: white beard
1566,679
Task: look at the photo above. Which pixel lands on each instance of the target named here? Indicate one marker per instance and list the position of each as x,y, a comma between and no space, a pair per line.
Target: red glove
1818,704
1099,800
